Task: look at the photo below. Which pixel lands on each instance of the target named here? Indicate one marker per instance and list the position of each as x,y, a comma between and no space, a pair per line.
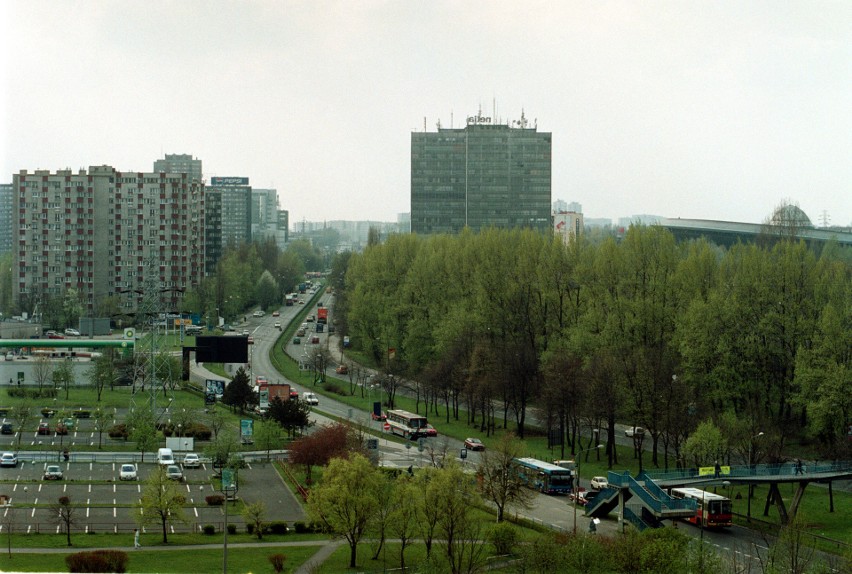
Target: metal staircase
652,503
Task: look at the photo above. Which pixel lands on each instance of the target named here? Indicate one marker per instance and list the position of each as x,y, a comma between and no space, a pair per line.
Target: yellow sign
711,470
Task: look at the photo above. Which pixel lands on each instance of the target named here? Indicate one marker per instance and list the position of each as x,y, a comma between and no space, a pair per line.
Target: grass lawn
240,560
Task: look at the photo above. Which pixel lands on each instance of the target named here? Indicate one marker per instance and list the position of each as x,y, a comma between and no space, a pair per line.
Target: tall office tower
94,232
485,174
179,163
229,221
264,212
5,218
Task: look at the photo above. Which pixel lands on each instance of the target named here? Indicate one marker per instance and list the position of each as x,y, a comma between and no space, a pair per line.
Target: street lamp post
577,485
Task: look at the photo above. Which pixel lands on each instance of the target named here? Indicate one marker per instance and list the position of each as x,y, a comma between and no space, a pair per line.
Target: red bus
718,512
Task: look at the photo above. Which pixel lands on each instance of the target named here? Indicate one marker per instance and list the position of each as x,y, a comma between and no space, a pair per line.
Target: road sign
386,426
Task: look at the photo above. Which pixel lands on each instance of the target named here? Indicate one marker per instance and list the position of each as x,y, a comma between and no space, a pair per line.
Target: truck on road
322,315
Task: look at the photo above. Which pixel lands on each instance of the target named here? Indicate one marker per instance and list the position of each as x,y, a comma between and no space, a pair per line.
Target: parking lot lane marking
33,512
90,488
39,487
195,508
113,488
114,508
65,487
29,527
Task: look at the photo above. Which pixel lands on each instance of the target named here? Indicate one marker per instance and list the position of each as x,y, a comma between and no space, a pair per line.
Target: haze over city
714,110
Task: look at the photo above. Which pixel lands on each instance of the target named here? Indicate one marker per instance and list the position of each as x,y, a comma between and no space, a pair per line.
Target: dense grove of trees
504,324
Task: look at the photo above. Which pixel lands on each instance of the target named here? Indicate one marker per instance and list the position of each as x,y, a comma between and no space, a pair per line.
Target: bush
215,499
335,388
250,528
118,431
27,393
208,529
4,411
81,414
504,537
300,527
97,561
199,431
232,529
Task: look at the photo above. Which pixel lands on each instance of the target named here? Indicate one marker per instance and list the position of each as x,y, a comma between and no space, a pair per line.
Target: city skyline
702,110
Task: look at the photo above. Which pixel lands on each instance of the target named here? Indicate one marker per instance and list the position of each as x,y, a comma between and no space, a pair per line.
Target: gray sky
717,110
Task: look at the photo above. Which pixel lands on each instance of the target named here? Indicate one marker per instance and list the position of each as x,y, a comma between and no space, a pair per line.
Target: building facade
5,218
567,225
96,231
485,174
180,163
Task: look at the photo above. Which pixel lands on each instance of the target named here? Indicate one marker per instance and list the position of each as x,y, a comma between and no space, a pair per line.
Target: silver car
127,472
53,472
174,472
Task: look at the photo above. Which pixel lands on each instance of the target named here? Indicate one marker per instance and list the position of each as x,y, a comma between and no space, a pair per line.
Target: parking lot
106,504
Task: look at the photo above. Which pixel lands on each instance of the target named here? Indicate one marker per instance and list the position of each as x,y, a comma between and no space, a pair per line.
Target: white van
165,456
310,398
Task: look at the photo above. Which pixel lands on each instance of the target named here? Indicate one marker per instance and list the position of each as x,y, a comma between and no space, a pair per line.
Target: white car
191,460
310,398
634,432
8,459
599,482
127,472
258,314
53,472
72,332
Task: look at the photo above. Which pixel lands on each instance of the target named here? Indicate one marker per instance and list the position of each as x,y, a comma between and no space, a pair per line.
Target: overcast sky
716,110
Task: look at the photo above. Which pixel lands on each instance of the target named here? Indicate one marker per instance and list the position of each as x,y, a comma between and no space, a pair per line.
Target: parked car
174,472
342,370
599,482
53,472
191,460
72,332
55,335
43,428
61,428
473,444
582,497
6,428
127,472
634,432
8,459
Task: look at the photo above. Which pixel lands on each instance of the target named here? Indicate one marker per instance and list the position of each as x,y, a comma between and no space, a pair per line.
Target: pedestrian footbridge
645,502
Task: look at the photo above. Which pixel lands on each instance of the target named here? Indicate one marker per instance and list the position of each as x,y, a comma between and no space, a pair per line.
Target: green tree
103,419
706,445
346,499
255,515
161,502
239,394
22,414
402,523
63,377
268,436
102,373
143,429
267,292
290,414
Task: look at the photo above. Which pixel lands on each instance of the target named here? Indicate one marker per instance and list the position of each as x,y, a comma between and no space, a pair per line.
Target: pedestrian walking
799,469
592,527
136,538
718,469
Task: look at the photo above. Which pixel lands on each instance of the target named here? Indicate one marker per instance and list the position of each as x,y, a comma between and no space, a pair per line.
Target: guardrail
807,469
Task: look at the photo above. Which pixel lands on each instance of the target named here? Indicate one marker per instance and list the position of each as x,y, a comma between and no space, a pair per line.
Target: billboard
229,181
220,349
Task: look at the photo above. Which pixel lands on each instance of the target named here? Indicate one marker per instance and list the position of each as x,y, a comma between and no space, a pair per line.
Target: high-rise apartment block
5,218
99,231
180,163
485,174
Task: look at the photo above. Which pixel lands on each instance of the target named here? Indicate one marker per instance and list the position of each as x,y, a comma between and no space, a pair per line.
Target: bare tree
501,483
103,419
64,514
42,371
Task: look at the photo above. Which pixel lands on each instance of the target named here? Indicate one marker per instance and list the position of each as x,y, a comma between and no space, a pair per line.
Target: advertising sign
213,388
229,181
246,428
263,398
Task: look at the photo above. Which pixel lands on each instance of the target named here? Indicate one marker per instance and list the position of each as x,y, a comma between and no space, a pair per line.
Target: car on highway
342,370
191,460
310,398
8,459
127,472
258,313
43,429
379,417
276,314
52,472
431,431
473,444
278,325
294,394
314,340
246,332
301,332
599,482
310,319
72,332
173,472
634,432
6,428
297,341
582,497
